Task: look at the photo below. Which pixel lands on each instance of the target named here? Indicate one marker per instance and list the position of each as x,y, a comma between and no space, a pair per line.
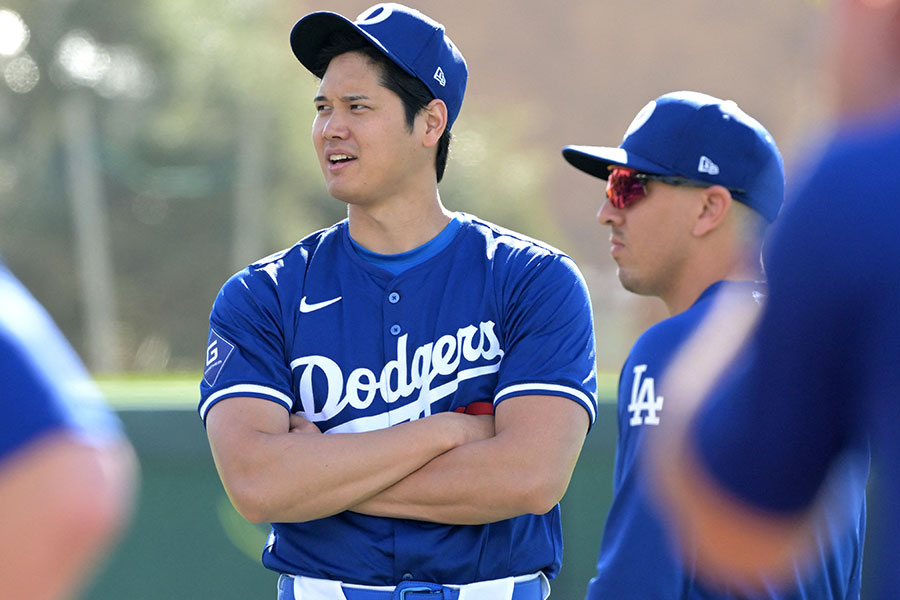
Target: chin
343,194
630,283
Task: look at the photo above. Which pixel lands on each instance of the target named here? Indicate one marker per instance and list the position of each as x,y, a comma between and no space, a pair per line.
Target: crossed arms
448,467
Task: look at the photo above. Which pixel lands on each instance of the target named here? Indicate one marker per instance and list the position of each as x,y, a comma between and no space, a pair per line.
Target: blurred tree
198,140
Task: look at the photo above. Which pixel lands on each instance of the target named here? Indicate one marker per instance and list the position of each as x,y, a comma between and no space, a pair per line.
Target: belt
530,588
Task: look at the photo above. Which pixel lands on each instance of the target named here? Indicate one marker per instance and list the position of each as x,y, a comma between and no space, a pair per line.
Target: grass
151,392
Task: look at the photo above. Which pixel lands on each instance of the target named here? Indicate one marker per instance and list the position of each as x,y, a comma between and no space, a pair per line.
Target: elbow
250,503
541,495
259,503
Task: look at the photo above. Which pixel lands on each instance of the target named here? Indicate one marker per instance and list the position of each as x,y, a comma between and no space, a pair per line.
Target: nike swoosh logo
308,308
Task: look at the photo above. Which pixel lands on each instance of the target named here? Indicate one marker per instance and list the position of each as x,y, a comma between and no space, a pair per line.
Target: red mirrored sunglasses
626,186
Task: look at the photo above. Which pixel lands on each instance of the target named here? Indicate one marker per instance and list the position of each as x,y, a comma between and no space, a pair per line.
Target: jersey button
394,298
395,330
407,576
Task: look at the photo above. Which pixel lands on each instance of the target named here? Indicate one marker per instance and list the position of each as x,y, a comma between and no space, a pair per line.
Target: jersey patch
218,349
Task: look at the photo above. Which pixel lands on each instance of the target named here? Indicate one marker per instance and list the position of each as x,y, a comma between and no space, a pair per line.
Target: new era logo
707,166
439,76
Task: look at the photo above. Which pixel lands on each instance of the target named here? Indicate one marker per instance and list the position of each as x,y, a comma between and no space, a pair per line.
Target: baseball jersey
636,559
45,386
353,347
819,378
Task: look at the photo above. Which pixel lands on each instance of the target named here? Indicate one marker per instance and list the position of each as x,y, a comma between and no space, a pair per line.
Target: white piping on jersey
590,402
246,388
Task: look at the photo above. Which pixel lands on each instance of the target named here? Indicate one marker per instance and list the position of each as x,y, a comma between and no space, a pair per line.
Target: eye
358,107
322,108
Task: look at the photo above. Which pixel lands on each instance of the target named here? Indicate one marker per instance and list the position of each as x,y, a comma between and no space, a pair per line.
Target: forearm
469,485
281,475
524,469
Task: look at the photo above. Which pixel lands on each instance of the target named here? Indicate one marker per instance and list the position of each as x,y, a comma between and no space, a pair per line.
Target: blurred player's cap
415,42
693,135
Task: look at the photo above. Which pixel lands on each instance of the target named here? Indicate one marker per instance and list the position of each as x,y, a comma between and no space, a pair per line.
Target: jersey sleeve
245,353
45,386
549,335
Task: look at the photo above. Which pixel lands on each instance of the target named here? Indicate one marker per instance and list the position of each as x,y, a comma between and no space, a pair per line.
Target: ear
435,114
716,202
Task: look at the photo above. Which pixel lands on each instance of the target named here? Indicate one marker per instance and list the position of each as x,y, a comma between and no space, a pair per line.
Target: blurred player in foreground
67,474
690,192
449,362
751,478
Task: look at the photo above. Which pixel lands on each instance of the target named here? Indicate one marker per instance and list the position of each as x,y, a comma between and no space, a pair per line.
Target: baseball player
66,471
818,381
690,191
402,395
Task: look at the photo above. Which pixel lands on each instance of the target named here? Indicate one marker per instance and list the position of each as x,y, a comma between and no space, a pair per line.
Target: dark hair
412,92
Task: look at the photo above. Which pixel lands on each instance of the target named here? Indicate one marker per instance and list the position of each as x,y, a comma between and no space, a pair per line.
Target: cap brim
312,32
597,160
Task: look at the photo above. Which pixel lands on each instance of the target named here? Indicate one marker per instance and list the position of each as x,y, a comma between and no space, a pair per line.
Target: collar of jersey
397,263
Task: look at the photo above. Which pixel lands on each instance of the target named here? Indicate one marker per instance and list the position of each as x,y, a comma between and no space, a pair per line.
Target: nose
333,128
609,214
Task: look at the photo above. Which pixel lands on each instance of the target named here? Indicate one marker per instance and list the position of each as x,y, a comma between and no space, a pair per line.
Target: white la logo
644,399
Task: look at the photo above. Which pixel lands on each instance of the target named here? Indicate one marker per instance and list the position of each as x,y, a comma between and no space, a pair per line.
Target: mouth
615,246
339,159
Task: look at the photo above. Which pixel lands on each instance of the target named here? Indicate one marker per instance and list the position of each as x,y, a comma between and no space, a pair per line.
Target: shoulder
514,253
45,383
501,238
286,268
666,336
857,161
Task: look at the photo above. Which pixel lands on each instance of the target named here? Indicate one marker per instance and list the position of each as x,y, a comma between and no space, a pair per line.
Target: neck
397,227
716,267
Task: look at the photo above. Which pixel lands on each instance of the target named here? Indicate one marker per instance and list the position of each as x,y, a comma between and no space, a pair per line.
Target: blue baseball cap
413,41
700,137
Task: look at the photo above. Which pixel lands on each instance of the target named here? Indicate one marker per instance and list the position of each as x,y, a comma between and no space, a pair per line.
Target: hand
472,428
480,427
300,425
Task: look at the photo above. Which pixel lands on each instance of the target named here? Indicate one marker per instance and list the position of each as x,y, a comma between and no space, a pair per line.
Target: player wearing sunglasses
690,192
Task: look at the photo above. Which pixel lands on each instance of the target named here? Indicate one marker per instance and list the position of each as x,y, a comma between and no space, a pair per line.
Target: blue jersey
636,559
355,348
820,373
45,386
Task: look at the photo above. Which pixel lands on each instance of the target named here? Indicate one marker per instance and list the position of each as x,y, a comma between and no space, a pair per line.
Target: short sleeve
245,352
549,335
45,385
